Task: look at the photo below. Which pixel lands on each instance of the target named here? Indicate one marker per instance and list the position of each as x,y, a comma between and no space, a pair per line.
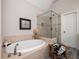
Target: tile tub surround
17,38
49,40
41,53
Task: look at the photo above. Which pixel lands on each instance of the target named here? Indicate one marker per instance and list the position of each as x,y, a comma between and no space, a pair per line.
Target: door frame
75,11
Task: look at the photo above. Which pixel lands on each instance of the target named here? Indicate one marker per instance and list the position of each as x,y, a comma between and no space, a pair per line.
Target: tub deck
41,53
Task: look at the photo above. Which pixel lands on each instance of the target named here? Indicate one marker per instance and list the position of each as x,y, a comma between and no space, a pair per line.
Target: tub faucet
15,49
5,44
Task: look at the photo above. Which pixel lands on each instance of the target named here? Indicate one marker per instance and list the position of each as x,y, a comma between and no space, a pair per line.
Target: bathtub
25,46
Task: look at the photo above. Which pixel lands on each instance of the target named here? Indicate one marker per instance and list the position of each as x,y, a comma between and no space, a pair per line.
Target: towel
59,48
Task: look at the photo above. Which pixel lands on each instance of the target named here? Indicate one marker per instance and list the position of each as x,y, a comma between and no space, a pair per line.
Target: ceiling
42,4
58,6
64,6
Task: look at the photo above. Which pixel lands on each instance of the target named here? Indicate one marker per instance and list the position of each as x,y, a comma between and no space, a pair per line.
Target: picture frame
25,24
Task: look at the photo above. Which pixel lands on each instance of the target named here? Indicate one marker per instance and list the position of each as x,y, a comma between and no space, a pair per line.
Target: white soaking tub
25,46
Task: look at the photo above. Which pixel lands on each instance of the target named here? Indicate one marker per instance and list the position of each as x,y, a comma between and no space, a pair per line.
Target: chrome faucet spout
15,49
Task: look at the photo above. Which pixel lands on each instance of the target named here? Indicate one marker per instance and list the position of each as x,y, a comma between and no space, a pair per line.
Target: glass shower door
45,26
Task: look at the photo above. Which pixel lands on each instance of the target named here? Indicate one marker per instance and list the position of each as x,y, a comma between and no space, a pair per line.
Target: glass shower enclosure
49,25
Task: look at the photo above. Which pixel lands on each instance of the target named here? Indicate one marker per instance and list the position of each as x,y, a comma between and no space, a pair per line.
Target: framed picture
25,24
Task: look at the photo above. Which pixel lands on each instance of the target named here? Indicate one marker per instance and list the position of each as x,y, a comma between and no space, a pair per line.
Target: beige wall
0,29
78,29
12,11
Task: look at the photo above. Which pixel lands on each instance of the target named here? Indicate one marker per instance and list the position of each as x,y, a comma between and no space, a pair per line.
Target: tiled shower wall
49,25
